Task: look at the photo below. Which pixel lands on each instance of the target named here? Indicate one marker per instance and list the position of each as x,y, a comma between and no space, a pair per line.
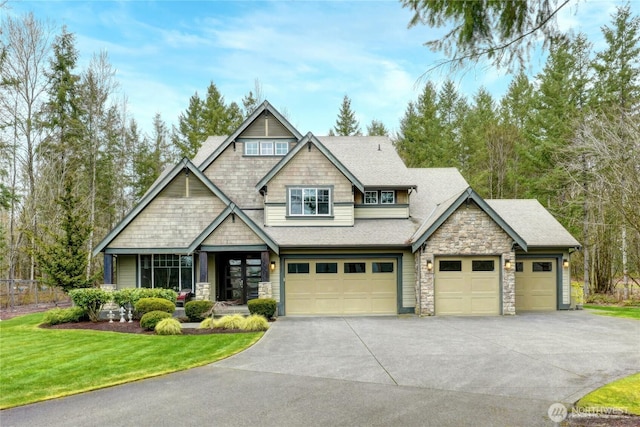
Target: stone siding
468,231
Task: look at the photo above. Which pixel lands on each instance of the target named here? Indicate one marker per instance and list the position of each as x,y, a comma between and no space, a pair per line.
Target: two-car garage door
341,286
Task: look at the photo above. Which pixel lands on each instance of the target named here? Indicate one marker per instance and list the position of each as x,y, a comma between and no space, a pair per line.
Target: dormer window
266,148
382,197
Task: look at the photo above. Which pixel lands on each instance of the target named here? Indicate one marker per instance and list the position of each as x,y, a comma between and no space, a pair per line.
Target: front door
241,275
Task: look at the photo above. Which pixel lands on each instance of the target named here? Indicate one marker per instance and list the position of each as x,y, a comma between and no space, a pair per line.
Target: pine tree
63,260
346,123
420,131
377,128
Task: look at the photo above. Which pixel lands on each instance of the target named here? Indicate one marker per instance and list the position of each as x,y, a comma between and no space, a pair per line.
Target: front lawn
623,395
616,311
39,364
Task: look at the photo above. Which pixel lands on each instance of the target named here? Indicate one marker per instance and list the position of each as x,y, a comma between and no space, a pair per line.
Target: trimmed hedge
64,315
151,319
168,326
145,305
265,307
196,310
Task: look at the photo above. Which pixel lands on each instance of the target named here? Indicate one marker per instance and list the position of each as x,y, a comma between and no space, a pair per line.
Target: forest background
73,160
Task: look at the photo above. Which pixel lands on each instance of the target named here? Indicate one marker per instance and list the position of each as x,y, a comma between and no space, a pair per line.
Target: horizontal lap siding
126,271
381,212
408,280
276,216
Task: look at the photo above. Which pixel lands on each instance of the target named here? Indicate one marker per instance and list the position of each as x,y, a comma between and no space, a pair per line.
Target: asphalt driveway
375,371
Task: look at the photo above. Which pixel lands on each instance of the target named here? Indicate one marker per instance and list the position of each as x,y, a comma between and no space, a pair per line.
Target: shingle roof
369,232
207,147
533,222
436,186
372,159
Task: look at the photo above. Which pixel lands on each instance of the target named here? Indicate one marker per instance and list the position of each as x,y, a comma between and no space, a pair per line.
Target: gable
232,232
266,125
310,167
169,222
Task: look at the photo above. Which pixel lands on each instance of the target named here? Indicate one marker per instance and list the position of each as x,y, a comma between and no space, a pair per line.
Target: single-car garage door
338,286
467,286
536,284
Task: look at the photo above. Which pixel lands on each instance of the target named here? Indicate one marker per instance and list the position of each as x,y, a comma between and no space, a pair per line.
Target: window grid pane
482,265
371,197
355,267
251,148
326,267
382,267
266,148
282,148
387,197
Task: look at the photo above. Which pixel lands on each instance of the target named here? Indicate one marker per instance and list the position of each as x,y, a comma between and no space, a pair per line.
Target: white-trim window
309,201
387,197
380,197
370,197
266,148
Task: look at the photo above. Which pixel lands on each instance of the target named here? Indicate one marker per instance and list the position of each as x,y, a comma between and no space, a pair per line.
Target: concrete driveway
557,356
381,371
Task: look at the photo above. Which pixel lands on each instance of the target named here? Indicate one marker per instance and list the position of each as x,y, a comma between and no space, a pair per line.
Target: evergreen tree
203,118
63,260
151,158
452,109
253,99
346,123
420,131
377,128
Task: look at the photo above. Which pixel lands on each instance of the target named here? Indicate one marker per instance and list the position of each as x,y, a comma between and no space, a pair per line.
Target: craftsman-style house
336,226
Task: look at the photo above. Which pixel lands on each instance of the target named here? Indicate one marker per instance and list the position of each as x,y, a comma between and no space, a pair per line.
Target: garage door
536,284
335,286
467,286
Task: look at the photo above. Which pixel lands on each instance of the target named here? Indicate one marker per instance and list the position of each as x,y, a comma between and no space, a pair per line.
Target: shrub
196,311
90,300
601,299
255,322
124,297
64,315
168,326
265,307
233,321
150,319
139,293
145,305
206,323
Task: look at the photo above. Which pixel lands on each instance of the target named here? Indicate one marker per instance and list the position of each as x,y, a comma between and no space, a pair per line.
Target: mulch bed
134,328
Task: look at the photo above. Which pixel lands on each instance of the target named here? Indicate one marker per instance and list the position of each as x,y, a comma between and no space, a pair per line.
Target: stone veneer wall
203,291
468,231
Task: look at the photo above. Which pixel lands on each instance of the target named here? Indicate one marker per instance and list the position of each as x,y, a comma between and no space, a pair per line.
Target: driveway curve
374,371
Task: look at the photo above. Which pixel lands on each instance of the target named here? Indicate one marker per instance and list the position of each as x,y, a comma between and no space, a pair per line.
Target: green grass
622,394
612,310
39,364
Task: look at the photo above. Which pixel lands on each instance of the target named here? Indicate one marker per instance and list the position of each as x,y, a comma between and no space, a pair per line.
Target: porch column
108,269
204,267
265,266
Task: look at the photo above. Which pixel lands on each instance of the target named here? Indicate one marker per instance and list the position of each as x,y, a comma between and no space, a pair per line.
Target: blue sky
306,54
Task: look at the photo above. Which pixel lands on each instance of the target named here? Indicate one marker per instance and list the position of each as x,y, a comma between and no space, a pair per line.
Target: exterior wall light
565,263
429,265
272,266
507,264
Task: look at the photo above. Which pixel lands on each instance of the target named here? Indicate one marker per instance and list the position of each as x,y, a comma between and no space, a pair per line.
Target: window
483,265
450,265
519,267
309,201
387,197
371,197
282,148
539,267
382,267
355,267
384,197
298,268
251,148
326,267
265,148
166,271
